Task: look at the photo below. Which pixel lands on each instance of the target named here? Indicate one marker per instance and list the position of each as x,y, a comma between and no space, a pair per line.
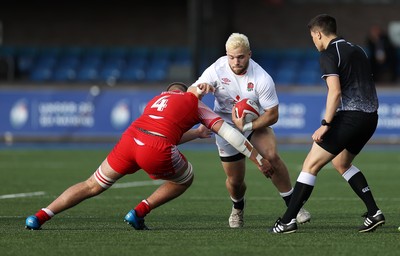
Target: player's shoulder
221,62
260,73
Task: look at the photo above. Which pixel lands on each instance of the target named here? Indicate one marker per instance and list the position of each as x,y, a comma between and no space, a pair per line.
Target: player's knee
186,178
341,167
272,157
235,181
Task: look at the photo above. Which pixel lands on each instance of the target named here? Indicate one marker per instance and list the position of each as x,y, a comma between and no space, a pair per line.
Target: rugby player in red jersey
150,143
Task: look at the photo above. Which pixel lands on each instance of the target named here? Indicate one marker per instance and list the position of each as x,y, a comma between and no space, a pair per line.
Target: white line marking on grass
138,184
39,193
119,185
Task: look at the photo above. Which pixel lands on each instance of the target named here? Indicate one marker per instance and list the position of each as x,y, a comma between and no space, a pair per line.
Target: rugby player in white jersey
231,78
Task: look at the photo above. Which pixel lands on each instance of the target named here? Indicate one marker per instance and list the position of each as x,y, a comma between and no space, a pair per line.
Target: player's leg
169,190
356,135
101,179
233,164
315,160
265,142
173,187
358,182
170,166
236,186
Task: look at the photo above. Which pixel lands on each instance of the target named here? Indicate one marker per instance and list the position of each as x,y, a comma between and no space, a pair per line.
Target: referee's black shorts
349,130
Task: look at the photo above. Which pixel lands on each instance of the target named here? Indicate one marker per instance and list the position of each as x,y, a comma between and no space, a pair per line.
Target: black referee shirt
351,64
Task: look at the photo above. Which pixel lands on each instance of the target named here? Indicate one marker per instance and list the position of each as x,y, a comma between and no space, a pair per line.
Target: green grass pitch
197,222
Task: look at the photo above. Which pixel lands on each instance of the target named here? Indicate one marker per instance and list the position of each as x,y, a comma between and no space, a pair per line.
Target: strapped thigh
102,179
185,176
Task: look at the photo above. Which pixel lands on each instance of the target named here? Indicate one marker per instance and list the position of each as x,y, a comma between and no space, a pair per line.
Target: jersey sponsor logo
225,81
250,87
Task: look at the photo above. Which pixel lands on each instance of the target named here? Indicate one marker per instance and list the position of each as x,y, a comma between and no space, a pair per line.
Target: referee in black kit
350,121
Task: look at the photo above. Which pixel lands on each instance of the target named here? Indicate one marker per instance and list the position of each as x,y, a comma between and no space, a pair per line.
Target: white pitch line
39,193
119,185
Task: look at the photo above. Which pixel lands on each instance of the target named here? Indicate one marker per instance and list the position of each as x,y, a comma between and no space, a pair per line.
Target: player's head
322,28
177,86
238,51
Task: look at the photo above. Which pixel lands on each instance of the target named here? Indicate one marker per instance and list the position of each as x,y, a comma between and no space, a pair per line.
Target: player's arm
201,132
268,118
214,122
238,141
332,103
201,89
333,97
268,100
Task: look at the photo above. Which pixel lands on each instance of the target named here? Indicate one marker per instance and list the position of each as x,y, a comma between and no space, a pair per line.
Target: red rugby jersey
173,113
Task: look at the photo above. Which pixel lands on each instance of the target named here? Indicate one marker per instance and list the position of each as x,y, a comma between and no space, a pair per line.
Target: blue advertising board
96,113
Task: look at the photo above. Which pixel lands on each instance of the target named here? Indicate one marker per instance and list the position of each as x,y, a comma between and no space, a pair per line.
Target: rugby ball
248,108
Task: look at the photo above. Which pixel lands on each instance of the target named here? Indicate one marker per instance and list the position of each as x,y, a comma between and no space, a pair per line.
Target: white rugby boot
236,218
303,216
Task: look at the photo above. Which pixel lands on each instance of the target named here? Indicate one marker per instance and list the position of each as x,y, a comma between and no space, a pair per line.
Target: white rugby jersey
255,84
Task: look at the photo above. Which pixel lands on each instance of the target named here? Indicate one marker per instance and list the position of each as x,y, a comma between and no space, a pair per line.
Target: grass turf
196,222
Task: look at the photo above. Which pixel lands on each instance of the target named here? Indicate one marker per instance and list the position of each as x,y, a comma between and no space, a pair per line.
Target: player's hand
203,132
319,133
239,122
205,88
266,168
201,89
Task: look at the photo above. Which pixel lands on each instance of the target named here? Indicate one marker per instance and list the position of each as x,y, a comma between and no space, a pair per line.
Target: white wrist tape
235,138
248,126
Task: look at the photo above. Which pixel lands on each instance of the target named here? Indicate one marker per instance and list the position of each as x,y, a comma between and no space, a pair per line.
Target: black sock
300,195
287,199
238,205
360,186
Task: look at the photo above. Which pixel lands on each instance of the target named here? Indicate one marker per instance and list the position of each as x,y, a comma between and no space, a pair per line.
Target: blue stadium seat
46,61
132,74
91,61
309,77
64,74
156,75
138,54
68,61
181,56
25,59
157,71
160,60
285,76
109,74
40,74
87,74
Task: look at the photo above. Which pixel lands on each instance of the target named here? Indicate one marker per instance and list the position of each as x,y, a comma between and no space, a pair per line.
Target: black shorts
349,130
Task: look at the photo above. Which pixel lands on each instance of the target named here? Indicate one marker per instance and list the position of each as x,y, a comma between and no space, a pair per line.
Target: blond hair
237,40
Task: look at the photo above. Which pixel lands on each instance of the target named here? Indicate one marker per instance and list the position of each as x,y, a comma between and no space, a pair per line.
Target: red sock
142,209
42,216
